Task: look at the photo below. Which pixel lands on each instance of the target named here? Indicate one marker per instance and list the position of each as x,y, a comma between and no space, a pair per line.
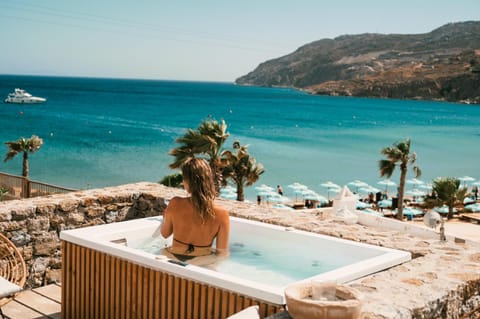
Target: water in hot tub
274,260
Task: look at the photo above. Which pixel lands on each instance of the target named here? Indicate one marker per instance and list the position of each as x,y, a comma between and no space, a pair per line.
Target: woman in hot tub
196,221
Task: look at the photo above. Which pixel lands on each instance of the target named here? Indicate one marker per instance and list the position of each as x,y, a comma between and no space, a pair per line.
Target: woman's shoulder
221,211
178,200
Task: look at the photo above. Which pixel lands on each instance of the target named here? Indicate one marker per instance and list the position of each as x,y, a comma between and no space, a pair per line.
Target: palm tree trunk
450,212
25,183
240,193
25,165
401,191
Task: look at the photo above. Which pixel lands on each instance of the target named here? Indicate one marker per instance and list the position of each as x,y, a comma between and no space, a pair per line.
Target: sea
104,132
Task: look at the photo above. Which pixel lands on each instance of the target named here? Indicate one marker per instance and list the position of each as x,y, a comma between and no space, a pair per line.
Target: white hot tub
264,258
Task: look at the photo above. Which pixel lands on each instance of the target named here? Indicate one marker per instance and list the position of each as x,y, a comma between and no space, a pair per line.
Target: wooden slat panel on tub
97,285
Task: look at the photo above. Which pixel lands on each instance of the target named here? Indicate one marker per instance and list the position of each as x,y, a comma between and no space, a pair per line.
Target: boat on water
22,96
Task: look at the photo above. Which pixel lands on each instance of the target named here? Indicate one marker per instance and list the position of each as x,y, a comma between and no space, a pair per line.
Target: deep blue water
102,132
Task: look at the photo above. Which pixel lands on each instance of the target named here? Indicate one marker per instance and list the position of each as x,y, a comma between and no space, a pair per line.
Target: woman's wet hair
198,174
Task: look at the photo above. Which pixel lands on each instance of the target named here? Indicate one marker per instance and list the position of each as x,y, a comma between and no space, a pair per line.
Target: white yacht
21,96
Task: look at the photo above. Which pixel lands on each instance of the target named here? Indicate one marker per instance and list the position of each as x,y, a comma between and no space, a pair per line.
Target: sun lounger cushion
7,288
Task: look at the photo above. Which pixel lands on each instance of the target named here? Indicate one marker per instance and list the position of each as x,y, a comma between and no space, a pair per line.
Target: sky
193,40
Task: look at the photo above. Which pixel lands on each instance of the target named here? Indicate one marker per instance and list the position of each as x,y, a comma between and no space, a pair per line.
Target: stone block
88,201
46,209
75,219
105,199
23,213
20,238
68,205
5,216
53,276
94,212
46,244
41,223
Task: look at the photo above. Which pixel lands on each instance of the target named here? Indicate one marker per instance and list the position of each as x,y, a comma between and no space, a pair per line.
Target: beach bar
107,273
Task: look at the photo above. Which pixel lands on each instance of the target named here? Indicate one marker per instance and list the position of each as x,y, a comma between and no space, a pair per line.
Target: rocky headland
443,64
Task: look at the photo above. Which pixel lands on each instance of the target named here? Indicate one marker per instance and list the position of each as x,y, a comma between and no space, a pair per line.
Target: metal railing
21,187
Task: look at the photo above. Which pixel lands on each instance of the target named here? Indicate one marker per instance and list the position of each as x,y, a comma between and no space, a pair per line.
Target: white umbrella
228,195
296,186
386,183
316,197
228,189
466,179
369,189
263,187
427,187
473,207
330,186
415,192
444,209
277,198
357,184
415,182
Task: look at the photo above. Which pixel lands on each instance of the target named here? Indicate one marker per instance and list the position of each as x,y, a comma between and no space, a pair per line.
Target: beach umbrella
357,184
386,203
277,198
316,197
444,209
427,187
228,189
469,200
415,192
263,187
466,179
228,195
410,211
265,193
296,186
363,205
386,183
368,189
473,207
415,182
330,186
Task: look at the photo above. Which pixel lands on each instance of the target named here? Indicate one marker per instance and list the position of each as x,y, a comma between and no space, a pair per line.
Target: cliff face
443,64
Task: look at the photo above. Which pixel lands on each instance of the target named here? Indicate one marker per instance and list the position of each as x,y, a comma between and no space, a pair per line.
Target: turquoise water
102,132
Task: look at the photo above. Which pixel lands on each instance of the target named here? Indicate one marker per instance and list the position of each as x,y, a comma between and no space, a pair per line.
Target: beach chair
13,272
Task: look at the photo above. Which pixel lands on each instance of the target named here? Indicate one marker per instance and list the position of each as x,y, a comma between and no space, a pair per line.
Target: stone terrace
441,281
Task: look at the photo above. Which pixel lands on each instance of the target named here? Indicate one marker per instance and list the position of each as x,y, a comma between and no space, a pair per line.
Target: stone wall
441,281
34,224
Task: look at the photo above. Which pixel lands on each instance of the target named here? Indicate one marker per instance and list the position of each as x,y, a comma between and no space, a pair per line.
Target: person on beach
280,190
195,221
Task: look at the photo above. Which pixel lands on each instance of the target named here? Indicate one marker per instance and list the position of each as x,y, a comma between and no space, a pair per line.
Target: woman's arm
223,233
166,229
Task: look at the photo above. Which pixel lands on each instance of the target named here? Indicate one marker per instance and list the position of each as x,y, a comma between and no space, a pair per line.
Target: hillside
440,65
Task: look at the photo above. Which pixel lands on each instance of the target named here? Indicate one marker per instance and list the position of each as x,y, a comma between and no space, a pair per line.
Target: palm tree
207,140
398,154
24,146
448,192
240,167
173,180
